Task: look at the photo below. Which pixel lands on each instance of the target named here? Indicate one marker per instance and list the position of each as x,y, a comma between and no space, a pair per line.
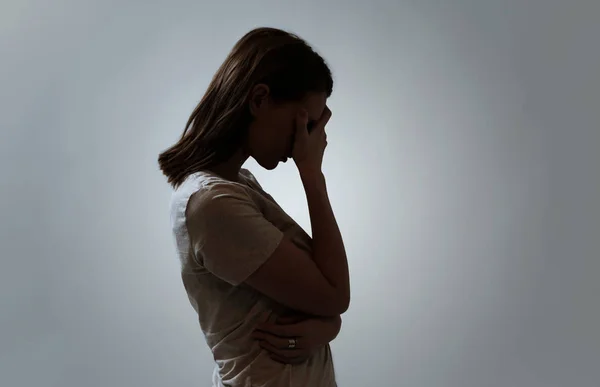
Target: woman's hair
218,125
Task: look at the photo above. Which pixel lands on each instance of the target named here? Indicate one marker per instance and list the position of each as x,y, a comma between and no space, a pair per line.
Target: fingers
302,119
279,345
324,119
285,355
264,317
301,131
276,340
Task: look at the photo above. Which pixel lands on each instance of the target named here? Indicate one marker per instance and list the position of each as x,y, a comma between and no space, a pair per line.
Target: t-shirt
224,231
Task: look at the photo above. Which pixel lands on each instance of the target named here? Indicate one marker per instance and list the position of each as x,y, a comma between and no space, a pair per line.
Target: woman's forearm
328,247
328,330
335,324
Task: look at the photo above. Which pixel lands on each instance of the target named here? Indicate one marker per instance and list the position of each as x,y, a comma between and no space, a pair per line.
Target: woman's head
251,104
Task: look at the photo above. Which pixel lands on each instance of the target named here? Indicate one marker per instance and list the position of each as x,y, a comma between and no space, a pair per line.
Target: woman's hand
309,147
310,333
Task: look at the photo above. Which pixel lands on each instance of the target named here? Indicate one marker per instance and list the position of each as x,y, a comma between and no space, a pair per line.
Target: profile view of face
271,133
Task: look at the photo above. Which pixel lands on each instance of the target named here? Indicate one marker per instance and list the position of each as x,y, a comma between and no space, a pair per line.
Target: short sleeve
228,232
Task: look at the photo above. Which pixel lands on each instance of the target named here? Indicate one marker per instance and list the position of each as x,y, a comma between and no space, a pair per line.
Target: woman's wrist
312,178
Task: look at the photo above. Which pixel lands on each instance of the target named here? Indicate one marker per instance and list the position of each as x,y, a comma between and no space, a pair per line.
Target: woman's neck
230,169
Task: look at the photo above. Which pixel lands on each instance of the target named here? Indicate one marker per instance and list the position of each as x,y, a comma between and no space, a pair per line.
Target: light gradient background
463,166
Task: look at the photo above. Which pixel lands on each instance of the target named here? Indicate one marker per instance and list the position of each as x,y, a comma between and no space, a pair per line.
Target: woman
268,297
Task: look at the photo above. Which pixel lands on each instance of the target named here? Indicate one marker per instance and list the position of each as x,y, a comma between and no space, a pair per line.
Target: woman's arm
328,329
331,328
329,253
238,245
316,283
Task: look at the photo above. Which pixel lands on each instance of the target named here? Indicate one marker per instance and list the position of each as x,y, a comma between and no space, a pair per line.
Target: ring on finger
292,343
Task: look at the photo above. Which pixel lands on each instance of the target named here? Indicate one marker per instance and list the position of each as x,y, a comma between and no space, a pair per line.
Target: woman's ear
259,97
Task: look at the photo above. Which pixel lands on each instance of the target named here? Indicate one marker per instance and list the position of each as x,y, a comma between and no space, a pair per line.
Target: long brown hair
218,125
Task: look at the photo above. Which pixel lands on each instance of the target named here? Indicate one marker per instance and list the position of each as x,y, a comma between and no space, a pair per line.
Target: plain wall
463,166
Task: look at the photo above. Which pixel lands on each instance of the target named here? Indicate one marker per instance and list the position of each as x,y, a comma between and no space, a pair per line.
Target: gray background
463,166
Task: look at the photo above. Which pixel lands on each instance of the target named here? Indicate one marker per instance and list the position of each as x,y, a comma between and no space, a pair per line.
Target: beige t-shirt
224,231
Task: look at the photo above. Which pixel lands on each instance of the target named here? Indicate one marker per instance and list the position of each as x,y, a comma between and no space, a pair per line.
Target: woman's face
271,134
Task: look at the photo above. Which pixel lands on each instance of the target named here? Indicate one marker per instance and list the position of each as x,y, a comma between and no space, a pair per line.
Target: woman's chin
269,165
272,163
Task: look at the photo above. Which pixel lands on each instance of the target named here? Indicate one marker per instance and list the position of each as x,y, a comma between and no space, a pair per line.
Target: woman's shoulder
253,183
248,175
199,191
207,192
212,192
206,182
